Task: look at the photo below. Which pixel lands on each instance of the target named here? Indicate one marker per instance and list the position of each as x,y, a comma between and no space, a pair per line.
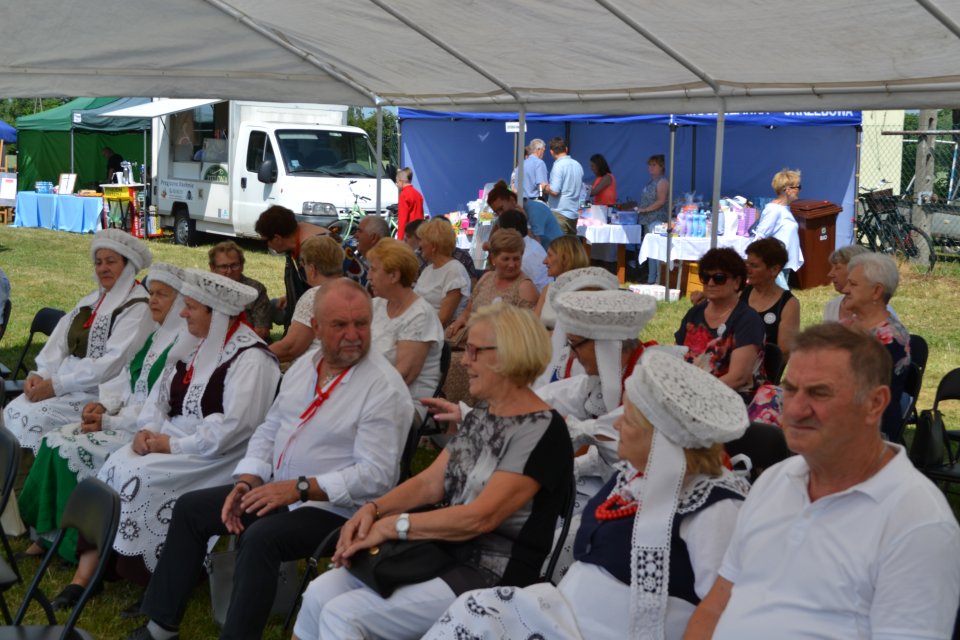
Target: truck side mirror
391,171
267,173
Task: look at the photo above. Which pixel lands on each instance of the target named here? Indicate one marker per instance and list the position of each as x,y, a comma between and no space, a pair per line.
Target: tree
13,108
368,122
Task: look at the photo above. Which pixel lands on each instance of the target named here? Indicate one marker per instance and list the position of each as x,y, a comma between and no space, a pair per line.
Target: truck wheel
184,229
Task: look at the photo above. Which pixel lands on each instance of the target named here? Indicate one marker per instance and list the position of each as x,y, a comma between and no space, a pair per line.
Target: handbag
220,567
395,563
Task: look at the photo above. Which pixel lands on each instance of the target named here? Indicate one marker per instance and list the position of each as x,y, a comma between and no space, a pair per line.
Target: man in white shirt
565,186
534,169
331,441
847,539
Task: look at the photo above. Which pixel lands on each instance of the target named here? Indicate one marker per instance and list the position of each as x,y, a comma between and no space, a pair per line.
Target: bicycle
351,217
882,228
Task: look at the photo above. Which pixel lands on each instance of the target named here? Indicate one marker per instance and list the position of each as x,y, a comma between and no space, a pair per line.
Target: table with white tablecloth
612,235
687,248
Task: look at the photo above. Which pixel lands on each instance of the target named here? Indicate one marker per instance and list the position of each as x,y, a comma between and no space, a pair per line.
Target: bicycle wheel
868,234
915,248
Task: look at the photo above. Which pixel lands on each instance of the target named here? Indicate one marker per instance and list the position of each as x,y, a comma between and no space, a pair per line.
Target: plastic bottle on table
681,223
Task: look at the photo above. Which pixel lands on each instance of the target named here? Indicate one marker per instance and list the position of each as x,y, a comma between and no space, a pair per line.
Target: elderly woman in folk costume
71,453
562,365
194,426
601,328
90,345
651,541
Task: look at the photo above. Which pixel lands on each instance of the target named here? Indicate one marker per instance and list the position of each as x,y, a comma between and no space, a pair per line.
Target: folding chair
764,444
919,352
94,510
429,426
566,517
773,362
949,389
7,308
911,387
45,321
9,463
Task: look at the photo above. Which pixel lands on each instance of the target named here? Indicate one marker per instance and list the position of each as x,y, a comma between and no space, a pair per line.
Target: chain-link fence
888,163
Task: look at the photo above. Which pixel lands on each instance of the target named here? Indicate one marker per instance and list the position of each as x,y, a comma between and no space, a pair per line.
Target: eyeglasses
233,266
472,350
574,347
797,187
718,278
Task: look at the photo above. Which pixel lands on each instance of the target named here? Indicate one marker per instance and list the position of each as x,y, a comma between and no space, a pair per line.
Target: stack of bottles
693,222
43,187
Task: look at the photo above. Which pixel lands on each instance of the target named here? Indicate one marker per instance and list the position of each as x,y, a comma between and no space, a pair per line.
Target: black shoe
67,598
142,633
133,610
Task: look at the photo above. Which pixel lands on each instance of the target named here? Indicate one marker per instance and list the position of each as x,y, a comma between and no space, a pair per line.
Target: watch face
403,524
303,485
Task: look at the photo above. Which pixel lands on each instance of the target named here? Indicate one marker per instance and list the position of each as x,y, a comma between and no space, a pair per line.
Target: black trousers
265,543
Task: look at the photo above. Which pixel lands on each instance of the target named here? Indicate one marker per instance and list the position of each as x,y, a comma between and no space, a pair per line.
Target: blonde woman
504,477
564,254
777,221
444,283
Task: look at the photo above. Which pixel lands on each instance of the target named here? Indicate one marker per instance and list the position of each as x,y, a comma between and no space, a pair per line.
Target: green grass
52,269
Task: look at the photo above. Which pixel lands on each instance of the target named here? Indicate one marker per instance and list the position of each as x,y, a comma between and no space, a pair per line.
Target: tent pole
379,152
717,173
522,142
666,269
71,151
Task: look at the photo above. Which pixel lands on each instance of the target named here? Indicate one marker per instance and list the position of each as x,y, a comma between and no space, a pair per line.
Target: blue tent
454,154
7,133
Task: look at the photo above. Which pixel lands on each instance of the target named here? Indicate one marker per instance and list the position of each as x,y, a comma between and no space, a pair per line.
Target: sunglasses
797,187
472,350
718,278
574,347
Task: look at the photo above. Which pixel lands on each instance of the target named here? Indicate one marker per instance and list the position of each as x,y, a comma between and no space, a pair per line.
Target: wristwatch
303,486
403,526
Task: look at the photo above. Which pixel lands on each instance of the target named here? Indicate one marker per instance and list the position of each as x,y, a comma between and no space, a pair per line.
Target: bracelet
376,509
249,486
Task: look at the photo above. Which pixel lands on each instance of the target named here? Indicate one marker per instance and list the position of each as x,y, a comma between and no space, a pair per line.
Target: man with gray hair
330,442
534,169
371,229
846,539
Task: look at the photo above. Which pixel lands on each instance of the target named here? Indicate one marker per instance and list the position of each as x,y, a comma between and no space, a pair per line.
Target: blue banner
756,119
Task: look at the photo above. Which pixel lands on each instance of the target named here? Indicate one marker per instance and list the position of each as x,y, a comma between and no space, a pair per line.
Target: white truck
220,164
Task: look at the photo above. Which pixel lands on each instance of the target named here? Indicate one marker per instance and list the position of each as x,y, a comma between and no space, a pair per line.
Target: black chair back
919,351
94,510
446,356
773,362
410,448
949,388
764,444
7,308
9,465
44,321
570,503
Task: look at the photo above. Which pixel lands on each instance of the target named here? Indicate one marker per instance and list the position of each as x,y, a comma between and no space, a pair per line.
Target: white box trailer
219,164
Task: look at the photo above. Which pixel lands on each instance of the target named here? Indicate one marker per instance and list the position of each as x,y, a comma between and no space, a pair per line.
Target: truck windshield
331,153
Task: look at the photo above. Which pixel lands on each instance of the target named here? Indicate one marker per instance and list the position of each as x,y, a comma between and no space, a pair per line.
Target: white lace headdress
688,408
609,318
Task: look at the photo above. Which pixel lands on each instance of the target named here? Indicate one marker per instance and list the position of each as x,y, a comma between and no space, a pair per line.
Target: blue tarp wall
454,154
7,133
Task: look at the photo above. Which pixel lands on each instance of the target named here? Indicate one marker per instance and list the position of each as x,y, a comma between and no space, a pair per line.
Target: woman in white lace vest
651,541
90,345
76,451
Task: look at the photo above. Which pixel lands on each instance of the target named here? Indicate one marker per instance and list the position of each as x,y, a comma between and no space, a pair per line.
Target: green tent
69,139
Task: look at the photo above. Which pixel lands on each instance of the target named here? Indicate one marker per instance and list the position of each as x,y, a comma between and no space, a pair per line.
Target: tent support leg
717,173
379,153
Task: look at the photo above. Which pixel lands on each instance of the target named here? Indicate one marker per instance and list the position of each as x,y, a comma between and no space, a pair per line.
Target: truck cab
219,166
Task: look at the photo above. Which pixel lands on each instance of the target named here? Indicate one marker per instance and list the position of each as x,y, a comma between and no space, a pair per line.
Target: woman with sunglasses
777,221
504,478
723,335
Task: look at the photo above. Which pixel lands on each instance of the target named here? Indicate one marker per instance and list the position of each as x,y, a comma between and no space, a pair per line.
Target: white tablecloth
655,246
612,233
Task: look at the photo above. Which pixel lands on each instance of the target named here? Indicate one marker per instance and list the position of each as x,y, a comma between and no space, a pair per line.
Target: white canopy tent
554,56
559,56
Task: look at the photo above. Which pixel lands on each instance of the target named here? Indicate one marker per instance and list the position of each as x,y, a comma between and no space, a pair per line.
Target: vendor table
60,212
687,249
617,234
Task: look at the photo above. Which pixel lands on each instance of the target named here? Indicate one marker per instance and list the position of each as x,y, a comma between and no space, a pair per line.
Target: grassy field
52,269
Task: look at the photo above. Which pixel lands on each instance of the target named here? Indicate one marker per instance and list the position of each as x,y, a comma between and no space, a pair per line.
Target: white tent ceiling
561,56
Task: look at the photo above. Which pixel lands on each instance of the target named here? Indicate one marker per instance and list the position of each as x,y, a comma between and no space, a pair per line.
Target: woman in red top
604,189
